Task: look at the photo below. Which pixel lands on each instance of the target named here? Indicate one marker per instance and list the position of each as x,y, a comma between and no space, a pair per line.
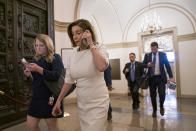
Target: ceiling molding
187,37
61,26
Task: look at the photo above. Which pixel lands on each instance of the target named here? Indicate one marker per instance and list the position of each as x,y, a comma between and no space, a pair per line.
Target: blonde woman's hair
47,41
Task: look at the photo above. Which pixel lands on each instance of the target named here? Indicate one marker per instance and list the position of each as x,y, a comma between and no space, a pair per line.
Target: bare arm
99,60
64,91
56,109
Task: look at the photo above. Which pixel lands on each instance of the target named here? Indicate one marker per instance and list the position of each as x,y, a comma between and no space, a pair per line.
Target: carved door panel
20,22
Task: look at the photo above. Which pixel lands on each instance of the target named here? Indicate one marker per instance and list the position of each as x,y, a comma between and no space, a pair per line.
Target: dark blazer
163,61
139,70
108,76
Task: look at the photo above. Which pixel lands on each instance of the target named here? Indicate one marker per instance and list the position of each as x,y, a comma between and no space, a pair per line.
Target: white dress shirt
157,69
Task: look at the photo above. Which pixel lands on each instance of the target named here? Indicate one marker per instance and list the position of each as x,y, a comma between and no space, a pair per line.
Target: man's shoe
162,112
109,117
154,114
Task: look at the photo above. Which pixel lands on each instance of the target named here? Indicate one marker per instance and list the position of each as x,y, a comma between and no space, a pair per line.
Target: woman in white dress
86,68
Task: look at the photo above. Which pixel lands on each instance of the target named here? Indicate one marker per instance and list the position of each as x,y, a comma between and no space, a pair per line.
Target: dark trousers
134,89
156,83
110,109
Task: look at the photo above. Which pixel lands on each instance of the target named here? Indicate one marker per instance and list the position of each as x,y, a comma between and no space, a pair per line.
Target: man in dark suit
156,61
108,81
133,72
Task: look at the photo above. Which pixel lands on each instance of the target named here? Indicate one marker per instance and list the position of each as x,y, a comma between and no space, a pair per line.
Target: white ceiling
119,21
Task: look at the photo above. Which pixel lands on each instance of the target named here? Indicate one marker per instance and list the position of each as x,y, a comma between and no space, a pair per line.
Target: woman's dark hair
154,44
85,25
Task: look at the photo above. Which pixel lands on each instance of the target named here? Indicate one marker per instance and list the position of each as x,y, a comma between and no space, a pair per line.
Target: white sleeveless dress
92,93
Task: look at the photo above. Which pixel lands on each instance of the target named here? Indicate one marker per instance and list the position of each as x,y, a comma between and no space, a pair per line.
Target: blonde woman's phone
23,60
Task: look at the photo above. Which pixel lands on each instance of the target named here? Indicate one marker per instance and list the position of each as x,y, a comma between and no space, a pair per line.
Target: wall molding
122,45
188,96
61,26
187,37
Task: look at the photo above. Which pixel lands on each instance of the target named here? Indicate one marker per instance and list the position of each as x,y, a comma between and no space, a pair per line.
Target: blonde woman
45,65
87,69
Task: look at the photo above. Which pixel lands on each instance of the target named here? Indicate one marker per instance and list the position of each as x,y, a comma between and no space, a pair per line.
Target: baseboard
188,96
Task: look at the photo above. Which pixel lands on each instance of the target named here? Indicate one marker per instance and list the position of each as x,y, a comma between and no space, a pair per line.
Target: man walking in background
133,72
156,61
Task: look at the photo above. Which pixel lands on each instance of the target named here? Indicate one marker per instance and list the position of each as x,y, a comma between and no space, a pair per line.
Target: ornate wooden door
20,22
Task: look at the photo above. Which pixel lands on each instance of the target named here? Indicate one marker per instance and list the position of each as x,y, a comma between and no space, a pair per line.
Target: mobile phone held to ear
84,42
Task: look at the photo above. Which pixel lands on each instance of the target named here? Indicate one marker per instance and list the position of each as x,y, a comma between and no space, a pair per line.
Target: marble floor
180,115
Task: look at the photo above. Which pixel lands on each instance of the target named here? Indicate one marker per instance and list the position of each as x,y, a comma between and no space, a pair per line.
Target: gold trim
61,26
187,37
122,45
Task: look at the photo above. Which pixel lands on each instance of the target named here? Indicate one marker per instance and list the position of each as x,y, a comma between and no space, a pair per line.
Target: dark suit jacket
108,76
163,61
139,69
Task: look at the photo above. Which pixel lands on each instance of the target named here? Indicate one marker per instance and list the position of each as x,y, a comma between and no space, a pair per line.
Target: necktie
153,62
132,72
